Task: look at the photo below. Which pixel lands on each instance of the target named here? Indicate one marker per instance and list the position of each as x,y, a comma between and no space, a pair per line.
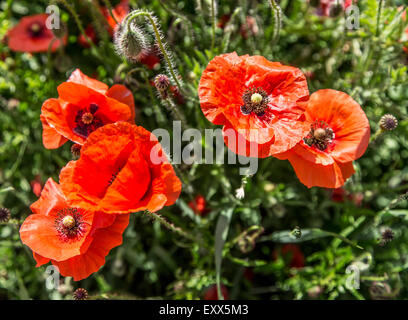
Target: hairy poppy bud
388,122
161,82
80,294
4,215
129,41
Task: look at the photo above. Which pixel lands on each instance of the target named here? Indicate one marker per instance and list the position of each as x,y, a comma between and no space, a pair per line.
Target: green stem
77,20
170,226
277,20
376,135
380,5
213,25
109,6
163,50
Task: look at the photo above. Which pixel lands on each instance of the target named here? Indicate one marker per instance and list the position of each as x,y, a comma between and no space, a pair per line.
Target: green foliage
368,63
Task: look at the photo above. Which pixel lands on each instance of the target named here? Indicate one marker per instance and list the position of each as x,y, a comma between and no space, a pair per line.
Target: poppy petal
40,234
347,120
317,175
51,138
122,94
78,77
105,239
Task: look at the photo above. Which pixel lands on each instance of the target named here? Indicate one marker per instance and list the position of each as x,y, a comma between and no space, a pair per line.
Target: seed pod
80,294
4,215
388,122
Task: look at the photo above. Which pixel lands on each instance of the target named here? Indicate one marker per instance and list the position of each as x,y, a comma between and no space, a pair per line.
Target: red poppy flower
32,35
90,32
339,195
292,254
149,59
122,169
339,133
36,185
120,11
256,100
199,205
212,293
74,239
331,7
84,104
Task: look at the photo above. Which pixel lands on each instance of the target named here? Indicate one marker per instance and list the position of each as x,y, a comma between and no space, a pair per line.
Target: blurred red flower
120,11
339,134
212,294
32,35
292,254
149,59
199,205
259,101
90,32
122,169
332,7
36,185
75,240
84,104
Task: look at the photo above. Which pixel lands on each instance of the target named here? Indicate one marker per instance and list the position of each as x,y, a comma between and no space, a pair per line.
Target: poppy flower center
69,224
36,30
87,118
255,100
319,136
86,121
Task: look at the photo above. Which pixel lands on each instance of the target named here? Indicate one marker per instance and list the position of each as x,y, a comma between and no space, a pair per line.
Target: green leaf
221,232
307,234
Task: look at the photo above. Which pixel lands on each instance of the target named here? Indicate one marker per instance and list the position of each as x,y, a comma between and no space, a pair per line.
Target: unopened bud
161,82
388,122
4,215
129,41
80,294
61,31
296,232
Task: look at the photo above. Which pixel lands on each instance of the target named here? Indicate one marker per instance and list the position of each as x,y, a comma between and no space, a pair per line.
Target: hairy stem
170,225
163,50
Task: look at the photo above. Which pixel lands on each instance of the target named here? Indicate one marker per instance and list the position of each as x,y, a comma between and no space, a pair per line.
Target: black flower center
320,135
69,224
255,100
86,121
36,30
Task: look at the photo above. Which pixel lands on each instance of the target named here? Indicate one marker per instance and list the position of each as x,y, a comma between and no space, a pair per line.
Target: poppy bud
388,122
76,150
380,290
80,294
4,215
130,41
335,10
161,82
296,232
61,31
386,236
